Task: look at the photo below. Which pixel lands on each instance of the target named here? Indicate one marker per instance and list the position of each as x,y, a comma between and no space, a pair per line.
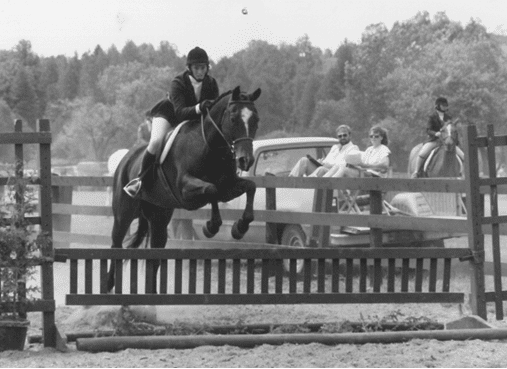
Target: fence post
62,222
375,208
271,234
474,214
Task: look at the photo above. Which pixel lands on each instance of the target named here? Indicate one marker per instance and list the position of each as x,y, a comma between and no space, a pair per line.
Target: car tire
294,236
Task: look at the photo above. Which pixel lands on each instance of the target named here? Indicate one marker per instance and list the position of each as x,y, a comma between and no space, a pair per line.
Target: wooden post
474,215
375,208
271,233
62,222
495,234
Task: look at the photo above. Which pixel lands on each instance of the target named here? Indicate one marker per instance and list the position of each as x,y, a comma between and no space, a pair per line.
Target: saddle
161,193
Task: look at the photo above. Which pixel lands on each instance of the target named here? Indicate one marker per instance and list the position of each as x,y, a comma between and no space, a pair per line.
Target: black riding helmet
440,101
197,56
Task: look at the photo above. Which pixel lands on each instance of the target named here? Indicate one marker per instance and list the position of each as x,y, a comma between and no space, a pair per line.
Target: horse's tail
143,231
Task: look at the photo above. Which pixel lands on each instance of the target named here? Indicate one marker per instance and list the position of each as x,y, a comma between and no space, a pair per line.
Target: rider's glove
438,134
205,105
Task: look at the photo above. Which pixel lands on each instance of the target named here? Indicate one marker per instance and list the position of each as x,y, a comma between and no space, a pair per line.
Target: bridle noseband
229,145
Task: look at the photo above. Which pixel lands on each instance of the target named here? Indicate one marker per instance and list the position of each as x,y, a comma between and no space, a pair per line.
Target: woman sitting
374,160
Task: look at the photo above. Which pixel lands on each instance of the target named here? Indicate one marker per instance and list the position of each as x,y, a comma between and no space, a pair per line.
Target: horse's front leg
240,227
213,225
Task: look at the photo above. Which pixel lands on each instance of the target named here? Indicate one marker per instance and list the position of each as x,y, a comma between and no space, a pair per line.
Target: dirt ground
416,353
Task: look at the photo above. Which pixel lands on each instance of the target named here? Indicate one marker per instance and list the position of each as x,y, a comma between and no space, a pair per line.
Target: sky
221,27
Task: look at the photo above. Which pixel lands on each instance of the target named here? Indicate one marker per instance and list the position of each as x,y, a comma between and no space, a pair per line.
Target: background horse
443,162
112,164
200,168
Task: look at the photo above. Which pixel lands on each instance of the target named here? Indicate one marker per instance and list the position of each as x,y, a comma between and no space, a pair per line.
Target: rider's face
199,71
444,107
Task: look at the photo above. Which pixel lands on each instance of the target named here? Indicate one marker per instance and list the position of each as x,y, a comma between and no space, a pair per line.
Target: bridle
229,146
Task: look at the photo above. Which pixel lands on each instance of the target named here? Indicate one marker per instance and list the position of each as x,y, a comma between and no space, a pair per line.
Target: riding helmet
197,55
441,100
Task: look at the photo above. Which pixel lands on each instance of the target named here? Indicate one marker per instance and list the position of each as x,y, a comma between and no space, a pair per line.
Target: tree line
391,77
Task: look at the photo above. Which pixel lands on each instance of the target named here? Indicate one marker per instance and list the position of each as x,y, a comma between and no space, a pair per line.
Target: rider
193,91
144,129
436,122
191,94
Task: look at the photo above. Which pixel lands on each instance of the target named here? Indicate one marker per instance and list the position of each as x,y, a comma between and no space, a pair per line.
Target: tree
69,83
24,97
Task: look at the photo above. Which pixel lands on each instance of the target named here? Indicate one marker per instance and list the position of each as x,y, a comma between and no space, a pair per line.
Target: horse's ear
255,95
235,93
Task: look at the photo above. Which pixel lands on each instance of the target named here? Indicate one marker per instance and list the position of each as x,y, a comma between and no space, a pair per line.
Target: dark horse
443,162
200,168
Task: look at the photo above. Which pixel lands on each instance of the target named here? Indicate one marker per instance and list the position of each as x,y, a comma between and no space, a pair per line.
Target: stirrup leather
133,187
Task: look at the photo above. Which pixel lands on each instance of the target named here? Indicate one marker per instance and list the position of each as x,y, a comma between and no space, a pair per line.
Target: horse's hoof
207,232
239,229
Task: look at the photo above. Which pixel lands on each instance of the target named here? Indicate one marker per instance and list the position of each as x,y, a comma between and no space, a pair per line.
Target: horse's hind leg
121,225
159,219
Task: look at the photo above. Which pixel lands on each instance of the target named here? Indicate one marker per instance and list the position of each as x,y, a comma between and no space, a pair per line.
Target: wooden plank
405,270
261,299
265,276
307,282
163,275
279,275
250,276
321,275
236,275
271,233
419,274
363,274
178,276
207,276
377,279
433,275
349,275
73,276
335,282
244,252
192,275
88,276
446,280
91,210
221,275
375,208
391,274
22,138
293,276
103,276
118,277
134,274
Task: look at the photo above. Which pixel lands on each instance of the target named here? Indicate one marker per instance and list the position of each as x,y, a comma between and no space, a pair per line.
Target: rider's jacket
435,124
182,95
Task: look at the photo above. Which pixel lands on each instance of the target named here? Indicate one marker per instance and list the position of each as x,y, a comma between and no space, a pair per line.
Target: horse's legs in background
213,225
158,219
123,217
240,227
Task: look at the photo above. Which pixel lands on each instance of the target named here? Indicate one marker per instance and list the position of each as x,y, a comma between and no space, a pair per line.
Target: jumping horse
443,160
200,168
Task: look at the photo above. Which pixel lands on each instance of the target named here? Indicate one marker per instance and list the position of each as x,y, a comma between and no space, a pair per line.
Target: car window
280,162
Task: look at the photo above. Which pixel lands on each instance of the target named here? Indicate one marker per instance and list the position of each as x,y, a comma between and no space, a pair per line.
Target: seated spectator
305,166
374,159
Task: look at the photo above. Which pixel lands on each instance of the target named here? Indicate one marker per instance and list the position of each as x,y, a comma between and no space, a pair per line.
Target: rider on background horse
437,120
191,95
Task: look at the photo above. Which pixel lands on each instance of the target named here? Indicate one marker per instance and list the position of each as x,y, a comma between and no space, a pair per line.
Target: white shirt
337,153
374,155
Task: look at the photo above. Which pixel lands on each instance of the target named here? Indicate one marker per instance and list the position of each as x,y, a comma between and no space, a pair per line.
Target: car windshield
280,162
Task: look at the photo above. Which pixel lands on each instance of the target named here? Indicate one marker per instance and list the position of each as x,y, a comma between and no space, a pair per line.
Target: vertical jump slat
335,284
134,271
163,275
446,283
307,283
419,275
178,276
377,281
250,276
192,276
433,275
349,275
207,276
405,272
265,276
279,275
236,275
321,276
391,274
73,276
88,276
293,275
221,275
118,276
363,274
103,276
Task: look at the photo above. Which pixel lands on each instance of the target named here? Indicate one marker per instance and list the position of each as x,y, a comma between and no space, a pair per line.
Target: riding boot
134,186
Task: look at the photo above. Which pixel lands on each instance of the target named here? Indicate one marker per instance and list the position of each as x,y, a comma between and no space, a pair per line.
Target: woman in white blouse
374,159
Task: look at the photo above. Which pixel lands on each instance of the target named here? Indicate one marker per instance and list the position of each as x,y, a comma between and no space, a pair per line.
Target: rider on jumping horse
191,95
436,122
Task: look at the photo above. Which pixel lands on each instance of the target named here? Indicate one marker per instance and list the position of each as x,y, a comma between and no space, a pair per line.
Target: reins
229,146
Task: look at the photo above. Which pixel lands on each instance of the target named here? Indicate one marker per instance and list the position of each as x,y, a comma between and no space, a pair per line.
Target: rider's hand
205,105
438,134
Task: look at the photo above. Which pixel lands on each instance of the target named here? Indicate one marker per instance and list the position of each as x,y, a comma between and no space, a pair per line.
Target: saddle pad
169,141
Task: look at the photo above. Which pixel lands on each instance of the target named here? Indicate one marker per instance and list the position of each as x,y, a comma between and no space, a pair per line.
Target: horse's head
449,136
239,124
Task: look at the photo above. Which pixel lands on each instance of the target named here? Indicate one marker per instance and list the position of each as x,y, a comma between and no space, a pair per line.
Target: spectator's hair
382,132
344,127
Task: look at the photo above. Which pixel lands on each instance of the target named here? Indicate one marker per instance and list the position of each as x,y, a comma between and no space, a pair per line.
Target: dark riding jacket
183,98
435,124
165,109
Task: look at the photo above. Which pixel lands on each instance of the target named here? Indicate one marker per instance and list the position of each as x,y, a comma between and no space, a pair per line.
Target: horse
112,164
443,161
201,167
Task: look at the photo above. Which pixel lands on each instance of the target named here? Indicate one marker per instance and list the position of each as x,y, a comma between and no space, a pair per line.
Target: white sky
66,26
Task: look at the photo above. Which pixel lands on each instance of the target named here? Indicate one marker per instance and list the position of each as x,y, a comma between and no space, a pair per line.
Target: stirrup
133,187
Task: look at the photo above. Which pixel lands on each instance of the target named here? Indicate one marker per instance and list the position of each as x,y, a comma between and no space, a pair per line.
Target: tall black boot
134,186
